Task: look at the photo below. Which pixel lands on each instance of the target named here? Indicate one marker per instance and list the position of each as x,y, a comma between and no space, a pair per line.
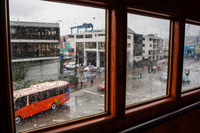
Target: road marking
59,120
93,93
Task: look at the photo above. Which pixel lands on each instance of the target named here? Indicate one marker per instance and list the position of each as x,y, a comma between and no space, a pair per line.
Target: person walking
80,80
85,78
91,79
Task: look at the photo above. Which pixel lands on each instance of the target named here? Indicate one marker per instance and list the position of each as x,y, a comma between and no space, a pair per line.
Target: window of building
101,45
101,34
37,63
128,45
143,45
128,37
79,36
88,36
90,45
153,86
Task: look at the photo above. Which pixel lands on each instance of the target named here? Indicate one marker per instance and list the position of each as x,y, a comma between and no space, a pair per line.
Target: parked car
101,87
71,65
163,77
64,65
100,69
185,80
91,68
91,75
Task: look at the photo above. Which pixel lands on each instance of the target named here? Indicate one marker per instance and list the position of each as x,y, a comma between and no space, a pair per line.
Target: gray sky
68,15
192,30
65,14
148,25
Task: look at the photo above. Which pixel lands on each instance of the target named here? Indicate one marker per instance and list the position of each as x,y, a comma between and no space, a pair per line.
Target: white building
152,47
90,47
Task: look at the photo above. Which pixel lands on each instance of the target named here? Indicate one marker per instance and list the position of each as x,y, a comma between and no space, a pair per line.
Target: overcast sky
72,15
65,14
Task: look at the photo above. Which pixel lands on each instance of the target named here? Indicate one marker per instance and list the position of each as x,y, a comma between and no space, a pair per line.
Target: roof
33,24
130,31
38,88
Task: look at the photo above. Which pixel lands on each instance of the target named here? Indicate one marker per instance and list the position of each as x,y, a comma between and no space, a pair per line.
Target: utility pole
76,58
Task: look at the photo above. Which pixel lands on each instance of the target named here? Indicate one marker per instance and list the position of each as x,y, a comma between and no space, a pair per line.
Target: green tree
19,70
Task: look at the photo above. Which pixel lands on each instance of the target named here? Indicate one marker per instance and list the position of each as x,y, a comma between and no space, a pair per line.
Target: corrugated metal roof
33,24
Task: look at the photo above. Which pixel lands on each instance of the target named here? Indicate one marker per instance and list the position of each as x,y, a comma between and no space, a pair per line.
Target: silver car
163,77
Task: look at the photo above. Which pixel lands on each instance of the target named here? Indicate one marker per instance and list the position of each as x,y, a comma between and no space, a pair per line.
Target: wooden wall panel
187,123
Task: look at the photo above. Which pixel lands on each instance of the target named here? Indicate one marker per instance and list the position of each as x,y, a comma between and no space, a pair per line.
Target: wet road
89,101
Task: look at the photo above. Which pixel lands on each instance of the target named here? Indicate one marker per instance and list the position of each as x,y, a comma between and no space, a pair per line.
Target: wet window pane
191,58
58,62
147,58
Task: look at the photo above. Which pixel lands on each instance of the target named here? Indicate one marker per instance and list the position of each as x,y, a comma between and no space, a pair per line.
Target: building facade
90,48
152,47
36,44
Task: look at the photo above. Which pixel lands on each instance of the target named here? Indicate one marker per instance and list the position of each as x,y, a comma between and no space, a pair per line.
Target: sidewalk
78,86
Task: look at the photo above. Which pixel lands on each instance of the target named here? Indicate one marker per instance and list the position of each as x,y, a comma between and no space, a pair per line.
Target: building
67,47
90,48
189,51
152,47
37,45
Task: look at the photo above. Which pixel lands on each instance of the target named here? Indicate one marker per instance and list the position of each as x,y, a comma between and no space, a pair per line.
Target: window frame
196,23
115,103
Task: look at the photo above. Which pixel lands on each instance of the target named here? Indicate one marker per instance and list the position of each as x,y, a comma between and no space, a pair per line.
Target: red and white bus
39,97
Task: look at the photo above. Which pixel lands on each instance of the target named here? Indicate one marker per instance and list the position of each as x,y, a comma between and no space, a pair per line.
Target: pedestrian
85,78
91,79
80,80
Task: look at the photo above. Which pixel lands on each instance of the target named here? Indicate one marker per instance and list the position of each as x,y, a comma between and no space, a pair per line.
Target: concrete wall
43,69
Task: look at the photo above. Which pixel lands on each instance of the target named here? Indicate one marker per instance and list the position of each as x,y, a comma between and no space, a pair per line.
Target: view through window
58,62
147,58
191,56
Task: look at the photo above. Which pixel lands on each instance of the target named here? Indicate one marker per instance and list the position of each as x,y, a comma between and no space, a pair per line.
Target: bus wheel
53,106
18,119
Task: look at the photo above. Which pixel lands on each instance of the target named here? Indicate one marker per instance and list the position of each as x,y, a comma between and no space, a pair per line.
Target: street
89,101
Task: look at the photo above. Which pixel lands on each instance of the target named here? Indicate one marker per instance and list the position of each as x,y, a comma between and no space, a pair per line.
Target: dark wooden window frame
117,114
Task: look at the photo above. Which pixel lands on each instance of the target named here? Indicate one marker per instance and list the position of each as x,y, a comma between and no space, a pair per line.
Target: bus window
33,98
24,101
45,95
20,102
17,104
53,92
61,91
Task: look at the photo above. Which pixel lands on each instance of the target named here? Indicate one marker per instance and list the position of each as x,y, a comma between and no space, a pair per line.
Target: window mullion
177,62
118,59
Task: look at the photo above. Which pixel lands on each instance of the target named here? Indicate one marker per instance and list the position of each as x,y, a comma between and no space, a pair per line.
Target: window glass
90,45
60,92
191,58
33,98
147,65
17,104
88,36
79,36
55,52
